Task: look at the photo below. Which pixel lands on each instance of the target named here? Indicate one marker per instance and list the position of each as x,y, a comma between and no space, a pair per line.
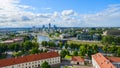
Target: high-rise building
43,26
34,28
55,27
49,25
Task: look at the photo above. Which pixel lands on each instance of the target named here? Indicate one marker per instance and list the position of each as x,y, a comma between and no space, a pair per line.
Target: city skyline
81,13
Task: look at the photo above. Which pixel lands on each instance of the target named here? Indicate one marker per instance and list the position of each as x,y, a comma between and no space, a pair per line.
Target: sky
62,13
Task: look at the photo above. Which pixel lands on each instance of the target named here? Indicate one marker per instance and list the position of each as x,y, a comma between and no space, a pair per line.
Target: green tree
17,47
45,65
75,53
63,53
71,45
66,45
113,49
27,45
26,38
14,47
60,44
105,48
67,52
51,44
16,54
34,50
118,52
94,49
35,44
83,50
3,48
44,43
45,50
108,39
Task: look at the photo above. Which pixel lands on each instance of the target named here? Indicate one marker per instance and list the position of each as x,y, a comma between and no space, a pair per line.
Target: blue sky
80,6
66,13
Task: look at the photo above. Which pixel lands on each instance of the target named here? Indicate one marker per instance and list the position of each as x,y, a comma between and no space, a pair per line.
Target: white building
64,36
31,61
99,61
77,60
19,39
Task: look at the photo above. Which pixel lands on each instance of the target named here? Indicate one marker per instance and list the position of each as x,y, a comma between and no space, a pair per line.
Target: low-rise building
99,61
115,61
31,61
65,36
77,60
86,36
13,40
112,32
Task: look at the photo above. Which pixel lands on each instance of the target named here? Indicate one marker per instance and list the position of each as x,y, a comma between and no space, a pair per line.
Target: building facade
31,61
112,32
99,61
86,36
77,60
115,61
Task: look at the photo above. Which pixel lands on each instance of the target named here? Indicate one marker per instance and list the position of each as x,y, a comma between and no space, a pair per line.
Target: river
43,38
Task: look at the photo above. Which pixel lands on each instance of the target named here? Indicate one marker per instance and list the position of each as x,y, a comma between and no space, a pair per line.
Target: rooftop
13,40
113,32
77,58
102,61
113,59
29,58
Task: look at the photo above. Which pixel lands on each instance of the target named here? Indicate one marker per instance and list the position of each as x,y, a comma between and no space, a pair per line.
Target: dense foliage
45,65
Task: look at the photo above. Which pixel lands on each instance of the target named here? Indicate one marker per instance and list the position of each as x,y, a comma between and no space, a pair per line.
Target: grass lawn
85,42
67,67
68,57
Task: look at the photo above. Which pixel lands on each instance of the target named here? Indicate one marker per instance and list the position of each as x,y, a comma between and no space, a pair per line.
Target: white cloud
67,12
26,7
107,17
13,14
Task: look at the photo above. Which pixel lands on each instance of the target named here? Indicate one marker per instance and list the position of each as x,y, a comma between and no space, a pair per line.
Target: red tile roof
114,59
102,61
29,58
77,58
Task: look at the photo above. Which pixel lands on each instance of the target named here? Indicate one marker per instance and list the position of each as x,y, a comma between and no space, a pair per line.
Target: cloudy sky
65,13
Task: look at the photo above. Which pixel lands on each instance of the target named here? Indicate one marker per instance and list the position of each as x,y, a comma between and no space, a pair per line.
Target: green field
85,42
68,57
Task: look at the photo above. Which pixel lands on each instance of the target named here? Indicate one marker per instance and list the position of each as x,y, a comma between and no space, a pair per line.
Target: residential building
31,61
99,61
65,36
77,60
86,36
115,61
20,39
112,32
